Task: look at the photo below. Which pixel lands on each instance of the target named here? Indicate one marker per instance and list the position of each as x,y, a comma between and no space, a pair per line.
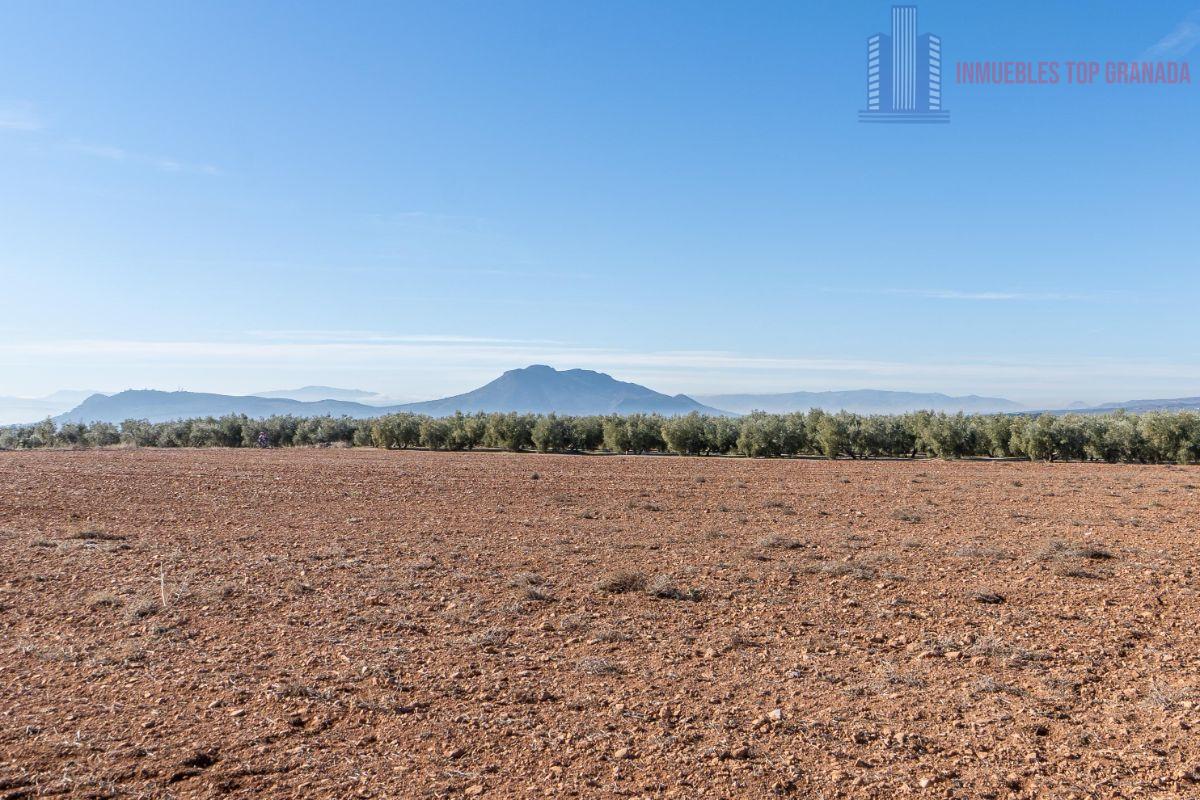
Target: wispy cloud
1180,40
954,294
23,117
20,117
163,163
438,364
376,337
987,296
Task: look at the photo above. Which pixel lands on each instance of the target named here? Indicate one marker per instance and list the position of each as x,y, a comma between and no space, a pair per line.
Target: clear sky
411,197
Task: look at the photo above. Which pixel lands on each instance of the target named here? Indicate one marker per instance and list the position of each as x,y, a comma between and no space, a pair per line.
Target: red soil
337,623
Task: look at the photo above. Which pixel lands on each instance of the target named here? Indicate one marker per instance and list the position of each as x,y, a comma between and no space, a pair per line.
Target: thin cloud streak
374,337
447,353
20,118
951,294
990,296
1180,41
162,163
24,118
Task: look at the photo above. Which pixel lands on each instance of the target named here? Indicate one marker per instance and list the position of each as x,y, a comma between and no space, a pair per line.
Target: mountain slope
539,389
1143,406
17,410
860,401
310,394
157,406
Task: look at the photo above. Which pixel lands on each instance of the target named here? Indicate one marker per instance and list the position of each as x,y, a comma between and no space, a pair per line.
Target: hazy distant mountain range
860,401
312,394
27,409
540,390
1142,406
156,406
535,389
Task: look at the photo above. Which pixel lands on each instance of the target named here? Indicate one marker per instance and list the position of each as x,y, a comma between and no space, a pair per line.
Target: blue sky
410,198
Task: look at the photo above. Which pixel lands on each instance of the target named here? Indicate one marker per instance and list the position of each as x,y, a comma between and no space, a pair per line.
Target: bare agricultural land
366,623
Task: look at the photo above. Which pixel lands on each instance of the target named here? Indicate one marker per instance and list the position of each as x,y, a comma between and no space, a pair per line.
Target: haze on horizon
412,199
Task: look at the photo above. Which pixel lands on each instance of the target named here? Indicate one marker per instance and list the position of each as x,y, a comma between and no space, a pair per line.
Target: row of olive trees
1146,438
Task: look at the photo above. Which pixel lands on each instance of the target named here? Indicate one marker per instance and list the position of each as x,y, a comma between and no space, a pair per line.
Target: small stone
775,715
740,753
925,783
474,790
621,753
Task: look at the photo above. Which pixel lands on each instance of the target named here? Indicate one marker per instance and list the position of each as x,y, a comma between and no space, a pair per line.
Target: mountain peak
541,389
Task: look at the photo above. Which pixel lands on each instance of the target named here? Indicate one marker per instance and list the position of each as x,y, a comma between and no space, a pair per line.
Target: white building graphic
904,73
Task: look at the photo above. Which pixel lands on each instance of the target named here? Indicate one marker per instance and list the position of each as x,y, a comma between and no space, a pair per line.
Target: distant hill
30,409
156,406
536,389
1142,406
540,389
859,401
311,394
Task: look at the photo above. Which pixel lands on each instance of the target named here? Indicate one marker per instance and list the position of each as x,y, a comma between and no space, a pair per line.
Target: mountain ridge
542,389
860,401
536,389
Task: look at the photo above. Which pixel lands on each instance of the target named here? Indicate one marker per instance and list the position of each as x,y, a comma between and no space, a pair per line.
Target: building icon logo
904,73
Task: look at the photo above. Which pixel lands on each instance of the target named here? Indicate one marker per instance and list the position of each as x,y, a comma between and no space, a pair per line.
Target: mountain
156,406
540,389
310,394
860,401
1142,406
14,410
536,389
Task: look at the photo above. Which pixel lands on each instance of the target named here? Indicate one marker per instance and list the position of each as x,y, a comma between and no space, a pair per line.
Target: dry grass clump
96,536
1067,571
299,588
983,551
141,610
622,582
610,636
989,685
777,541
102,600
1058,548
523,579
536,593
664,588
532,586
892,676
596,665
492,637
838,569
422,564
1093,552
573,622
